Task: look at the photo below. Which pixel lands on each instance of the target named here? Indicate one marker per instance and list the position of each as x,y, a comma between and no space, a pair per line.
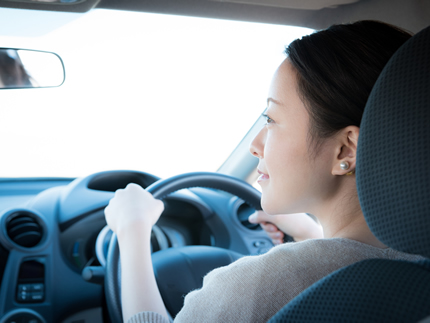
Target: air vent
24,229
243,213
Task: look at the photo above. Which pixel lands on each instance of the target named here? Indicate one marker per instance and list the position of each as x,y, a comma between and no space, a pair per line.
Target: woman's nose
257,145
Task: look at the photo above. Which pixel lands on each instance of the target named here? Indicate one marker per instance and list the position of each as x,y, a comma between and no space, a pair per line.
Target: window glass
156,93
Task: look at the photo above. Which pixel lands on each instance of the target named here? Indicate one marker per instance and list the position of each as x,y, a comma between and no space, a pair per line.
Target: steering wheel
191,261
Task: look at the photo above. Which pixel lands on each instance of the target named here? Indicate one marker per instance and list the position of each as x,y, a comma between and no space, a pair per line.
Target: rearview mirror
22,68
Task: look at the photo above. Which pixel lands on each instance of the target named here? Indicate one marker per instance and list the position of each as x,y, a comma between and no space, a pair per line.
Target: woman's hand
300,226
131,213
132,210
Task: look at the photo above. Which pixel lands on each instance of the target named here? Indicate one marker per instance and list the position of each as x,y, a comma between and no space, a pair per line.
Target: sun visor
51,5
294,4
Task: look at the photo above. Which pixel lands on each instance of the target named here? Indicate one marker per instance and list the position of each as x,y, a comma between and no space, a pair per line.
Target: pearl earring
344,165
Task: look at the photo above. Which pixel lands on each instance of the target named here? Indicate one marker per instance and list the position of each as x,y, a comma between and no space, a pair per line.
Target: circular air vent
24,229
243,213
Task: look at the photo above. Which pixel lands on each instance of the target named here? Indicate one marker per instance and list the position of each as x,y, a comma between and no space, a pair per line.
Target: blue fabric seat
393,182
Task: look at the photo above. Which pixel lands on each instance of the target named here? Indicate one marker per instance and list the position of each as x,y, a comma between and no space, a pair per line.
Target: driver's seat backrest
393,182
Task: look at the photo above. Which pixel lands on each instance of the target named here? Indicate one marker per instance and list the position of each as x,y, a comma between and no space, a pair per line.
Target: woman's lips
262,176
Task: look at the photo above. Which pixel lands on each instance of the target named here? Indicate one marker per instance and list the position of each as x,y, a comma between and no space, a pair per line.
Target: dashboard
54,240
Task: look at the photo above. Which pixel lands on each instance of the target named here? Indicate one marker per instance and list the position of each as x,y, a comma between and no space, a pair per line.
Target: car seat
393,182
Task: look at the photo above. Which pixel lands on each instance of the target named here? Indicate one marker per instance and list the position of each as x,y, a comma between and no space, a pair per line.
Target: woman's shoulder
287,269
319,248
329,252
294,256
334,249
313,256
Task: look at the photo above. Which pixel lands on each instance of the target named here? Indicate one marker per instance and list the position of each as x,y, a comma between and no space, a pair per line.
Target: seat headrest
393,156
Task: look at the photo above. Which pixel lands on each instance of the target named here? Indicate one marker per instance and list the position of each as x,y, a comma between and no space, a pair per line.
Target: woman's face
291,180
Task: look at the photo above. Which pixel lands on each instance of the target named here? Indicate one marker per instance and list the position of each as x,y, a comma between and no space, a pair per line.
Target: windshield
156,93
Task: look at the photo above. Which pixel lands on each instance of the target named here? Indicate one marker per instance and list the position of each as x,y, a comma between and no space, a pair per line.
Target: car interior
59,262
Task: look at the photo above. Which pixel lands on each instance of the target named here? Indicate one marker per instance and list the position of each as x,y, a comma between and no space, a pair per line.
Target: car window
157,93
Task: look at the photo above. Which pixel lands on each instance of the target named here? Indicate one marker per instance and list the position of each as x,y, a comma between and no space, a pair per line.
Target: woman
307,154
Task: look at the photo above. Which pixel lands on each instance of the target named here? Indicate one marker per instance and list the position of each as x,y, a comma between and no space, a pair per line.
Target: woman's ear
346,151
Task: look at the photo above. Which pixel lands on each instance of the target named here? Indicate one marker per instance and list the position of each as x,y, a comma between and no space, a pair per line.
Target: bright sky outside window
156,93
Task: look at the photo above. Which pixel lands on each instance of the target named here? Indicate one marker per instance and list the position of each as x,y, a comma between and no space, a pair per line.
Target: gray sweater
254,288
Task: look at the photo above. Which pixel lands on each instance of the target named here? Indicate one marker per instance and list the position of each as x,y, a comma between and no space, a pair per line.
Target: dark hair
336,70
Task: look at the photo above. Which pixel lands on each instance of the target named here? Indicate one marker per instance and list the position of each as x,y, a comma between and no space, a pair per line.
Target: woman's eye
268,119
